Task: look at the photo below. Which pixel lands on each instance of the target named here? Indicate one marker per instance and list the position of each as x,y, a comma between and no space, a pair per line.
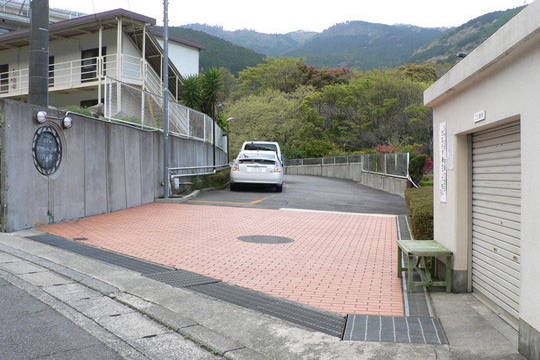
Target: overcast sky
279,16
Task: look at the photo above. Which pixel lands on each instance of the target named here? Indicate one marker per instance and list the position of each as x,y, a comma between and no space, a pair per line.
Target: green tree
282,74
211,86
190,93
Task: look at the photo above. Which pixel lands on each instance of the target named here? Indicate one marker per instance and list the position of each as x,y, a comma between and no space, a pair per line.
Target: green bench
421,257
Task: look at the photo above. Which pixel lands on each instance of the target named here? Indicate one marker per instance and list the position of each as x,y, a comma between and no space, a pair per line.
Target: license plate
255,169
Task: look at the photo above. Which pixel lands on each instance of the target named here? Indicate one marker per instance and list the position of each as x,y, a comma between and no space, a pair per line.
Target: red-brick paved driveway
338,262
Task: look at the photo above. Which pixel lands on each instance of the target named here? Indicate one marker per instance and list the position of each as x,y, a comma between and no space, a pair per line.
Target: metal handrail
214,169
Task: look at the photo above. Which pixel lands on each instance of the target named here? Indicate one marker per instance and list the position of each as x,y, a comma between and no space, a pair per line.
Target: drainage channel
328,323
420,328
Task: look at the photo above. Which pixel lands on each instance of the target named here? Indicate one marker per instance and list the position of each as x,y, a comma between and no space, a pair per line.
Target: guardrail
177,173
391,164
186,171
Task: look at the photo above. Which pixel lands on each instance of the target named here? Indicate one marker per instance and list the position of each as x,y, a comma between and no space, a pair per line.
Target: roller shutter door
496,215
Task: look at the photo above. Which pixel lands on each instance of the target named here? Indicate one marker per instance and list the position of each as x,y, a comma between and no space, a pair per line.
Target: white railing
143,108
391,164
85,72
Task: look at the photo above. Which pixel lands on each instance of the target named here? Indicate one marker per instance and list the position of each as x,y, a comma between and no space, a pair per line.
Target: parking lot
325,243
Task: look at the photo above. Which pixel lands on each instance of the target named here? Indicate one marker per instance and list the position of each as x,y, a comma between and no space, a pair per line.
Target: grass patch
420,204
78,110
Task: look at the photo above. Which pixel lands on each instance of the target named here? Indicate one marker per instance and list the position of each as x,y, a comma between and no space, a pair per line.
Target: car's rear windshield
270,156
257,161
262,147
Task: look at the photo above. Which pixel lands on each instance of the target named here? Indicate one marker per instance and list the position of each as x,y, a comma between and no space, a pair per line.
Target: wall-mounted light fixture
41,116
67,122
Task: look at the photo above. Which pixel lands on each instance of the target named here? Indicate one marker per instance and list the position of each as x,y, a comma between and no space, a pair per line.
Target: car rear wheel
234,187
279,188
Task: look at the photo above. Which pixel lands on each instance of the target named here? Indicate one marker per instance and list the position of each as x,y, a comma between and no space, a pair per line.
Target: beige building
487,173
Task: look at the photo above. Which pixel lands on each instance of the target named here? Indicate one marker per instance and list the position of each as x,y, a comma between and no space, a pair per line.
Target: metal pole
38,91
100,62
228,148
143,75
165,80
119,32
214,141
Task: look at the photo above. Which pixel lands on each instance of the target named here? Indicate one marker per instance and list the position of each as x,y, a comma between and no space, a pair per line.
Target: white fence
393,164
130,104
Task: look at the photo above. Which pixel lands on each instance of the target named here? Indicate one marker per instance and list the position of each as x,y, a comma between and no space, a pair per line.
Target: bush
420,204
416,167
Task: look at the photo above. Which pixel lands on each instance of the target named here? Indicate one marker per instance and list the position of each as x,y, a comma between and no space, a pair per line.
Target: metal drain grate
413,329
331,324
182,278
263,239
410,330
110,257
404,233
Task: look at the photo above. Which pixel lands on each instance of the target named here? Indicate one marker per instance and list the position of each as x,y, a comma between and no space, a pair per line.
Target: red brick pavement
338,262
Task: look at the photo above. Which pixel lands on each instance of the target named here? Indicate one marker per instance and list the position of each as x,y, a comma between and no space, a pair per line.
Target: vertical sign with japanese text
443,162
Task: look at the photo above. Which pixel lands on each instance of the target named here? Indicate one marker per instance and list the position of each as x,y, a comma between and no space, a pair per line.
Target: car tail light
277,169
235,167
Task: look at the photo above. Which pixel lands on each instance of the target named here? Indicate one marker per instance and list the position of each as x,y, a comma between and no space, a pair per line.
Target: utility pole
165,67
38,92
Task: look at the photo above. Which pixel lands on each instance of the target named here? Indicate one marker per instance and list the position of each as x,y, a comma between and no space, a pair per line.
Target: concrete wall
105,167
501,77
353,172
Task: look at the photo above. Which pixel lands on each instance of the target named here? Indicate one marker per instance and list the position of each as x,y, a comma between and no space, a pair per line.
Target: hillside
220,52
464,38
267,44
363,45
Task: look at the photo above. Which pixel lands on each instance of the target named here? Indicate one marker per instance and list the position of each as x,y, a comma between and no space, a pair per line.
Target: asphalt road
33,330
310,193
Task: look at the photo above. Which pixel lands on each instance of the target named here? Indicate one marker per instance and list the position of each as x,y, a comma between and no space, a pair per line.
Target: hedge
420,204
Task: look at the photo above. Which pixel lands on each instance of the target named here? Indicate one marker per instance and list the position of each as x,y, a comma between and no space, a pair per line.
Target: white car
263,146
257,167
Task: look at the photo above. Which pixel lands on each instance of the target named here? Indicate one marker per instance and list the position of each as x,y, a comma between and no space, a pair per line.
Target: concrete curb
225,329
179,200
214,342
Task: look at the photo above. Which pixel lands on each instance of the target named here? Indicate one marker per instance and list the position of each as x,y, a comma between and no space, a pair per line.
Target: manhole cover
262,239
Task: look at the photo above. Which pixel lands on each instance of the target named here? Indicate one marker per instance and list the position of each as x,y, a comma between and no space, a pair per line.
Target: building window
89,64
4,78
51,71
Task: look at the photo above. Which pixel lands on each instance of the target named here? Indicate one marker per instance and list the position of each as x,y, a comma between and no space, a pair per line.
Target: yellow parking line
254,202
221,202
260,200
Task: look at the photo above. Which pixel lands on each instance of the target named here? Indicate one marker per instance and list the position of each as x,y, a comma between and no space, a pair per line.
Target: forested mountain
363,45
219,52
464,38
267,44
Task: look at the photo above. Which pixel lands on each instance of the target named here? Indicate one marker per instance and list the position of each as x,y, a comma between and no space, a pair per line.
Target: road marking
221,202
338,212
254,202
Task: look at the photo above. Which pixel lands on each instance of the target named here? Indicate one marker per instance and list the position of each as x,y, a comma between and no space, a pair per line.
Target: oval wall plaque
47,150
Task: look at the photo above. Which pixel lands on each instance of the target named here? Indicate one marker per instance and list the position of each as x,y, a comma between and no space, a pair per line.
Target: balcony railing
85,72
